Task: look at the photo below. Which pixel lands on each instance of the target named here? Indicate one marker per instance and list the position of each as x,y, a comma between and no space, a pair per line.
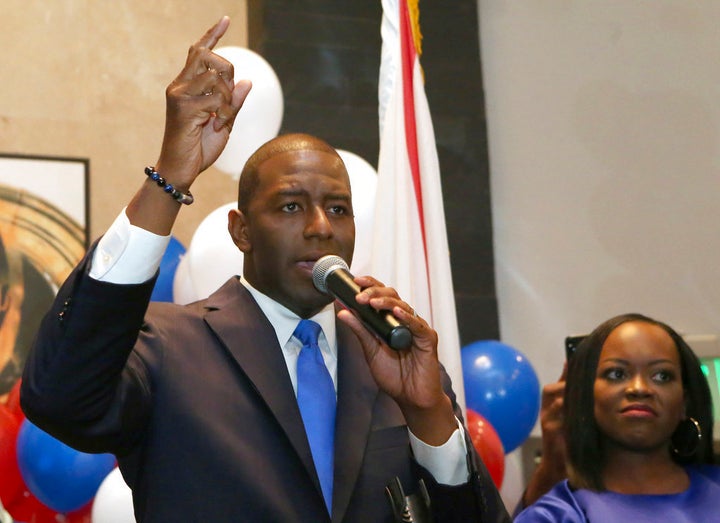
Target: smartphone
571,344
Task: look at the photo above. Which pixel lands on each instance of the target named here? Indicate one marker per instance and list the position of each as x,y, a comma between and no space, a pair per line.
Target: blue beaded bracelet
178,196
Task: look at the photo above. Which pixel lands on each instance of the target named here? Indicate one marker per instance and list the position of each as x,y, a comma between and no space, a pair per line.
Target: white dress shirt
127,254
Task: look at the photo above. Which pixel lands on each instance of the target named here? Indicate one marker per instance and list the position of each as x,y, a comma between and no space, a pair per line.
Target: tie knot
307,332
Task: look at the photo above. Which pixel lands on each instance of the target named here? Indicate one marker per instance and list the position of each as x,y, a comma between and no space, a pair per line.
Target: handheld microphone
331,275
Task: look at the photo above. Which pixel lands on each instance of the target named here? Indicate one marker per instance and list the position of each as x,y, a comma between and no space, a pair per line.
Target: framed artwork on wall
44,224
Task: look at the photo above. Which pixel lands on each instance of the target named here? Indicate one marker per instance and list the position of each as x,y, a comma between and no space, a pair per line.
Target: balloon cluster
42,479
502,393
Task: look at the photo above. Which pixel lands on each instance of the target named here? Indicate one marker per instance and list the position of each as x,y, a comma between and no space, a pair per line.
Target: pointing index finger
213,35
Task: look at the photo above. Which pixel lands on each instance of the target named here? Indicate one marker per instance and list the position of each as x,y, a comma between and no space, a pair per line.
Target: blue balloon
59,476
163,290
501,385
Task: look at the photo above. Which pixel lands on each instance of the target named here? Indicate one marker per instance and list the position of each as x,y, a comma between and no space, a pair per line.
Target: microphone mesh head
325,266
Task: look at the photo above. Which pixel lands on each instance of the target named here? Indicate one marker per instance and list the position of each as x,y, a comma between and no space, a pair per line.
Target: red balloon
29,509
488,445
11,482
81,515
13,402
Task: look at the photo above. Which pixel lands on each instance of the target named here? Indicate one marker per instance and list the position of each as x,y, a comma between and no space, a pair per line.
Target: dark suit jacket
200,411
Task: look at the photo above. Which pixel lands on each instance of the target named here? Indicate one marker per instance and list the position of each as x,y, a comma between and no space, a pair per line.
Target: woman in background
638,430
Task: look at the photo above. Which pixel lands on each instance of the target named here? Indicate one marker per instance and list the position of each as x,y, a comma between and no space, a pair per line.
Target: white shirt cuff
448,462
127,254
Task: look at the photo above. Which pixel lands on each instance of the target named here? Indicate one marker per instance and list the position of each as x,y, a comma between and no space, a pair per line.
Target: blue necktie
316,399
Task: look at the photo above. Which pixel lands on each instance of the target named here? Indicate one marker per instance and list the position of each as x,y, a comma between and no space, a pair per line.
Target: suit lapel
250,338
356,396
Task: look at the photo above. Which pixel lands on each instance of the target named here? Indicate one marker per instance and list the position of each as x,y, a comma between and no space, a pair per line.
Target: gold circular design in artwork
39,246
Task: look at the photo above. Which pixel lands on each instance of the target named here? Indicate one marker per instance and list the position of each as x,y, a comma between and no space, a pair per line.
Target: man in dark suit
201,403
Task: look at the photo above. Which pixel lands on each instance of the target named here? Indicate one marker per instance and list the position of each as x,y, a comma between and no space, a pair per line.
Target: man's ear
238,229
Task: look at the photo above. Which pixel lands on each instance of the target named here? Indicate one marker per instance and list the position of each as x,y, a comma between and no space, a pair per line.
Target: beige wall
86,78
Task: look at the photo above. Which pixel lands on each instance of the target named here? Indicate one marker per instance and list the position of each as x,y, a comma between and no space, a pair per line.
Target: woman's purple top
700,503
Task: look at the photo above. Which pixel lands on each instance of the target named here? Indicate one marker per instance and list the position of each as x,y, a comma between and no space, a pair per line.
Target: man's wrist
446,462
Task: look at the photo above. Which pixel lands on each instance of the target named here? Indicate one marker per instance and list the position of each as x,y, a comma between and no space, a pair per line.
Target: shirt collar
284,320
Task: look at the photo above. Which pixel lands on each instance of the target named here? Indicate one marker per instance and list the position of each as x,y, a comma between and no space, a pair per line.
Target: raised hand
202,103
201,106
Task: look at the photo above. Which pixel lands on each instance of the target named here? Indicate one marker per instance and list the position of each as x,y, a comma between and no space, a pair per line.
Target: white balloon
363,183
113,501
513,484
261,115
212,257
183,288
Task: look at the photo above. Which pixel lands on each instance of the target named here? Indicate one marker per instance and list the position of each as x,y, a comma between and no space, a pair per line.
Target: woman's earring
686,439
